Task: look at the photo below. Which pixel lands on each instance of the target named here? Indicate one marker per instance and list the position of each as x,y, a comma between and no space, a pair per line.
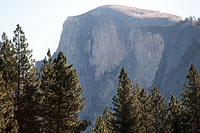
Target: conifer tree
103,123
177,116
191,99
159,112
61,97
7,65
47,104
20,76
125,106
144,118
8,61
7,121
26,83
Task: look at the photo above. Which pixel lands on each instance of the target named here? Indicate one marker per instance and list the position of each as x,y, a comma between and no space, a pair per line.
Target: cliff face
182,48
103,40
153,47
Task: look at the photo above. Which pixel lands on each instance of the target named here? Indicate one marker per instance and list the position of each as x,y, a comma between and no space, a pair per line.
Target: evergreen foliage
103,123
7,61
176,115
191,99
125,106
7,121
151,112
145,117
26,83
20,76
159,112
52,101
62,99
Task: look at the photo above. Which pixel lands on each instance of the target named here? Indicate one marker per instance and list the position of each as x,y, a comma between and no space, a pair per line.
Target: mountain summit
140,13
152,46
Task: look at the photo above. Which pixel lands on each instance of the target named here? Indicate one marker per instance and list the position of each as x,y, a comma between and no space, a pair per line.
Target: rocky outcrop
155,48
182,48
99,42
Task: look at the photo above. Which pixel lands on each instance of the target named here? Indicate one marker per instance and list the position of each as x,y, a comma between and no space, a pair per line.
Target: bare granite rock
103,40
155,49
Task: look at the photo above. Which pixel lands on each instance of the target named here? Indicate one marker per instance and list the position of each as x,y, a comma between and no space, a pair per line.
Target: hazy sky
42,20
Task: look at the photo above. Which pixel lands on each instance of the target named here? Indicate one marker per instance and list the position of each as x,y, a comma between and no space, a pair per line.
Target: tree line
50,100
31,102
135,111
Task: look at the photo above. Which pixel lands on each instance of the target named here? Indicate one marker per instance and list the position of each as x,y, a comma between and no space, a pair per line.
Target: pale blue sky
42,20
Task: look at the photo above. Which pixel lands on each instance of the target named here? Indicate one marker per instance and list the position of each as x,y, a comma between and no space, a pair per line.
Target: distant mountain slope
182,48
149,44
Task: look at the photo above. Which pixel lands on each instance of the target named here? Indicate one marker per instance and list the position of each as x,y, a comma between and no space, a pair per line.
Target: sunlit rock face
182,48
152,46
99,42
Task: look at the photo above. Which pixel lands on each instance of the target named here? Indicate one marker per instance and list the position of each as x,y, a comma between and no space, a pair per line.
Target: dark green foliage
144,118
26,106
125,106
177,116
135,111
21,79
7,121
26,83
103,123
159,112
8,61
191,99
21,90
61,100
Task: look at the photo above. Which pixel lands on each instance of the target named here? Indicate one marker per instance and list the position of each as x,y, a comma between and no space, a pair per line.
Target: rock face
182,48
155,48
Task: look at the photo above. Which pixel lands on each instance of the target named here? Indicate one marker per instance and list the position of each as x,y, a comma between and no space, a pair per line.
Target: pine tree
8,61
46,97
7,121
191,99
61,97
159,112
103,123
7,65
144,118
26,83
125,106
177,116
20,76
